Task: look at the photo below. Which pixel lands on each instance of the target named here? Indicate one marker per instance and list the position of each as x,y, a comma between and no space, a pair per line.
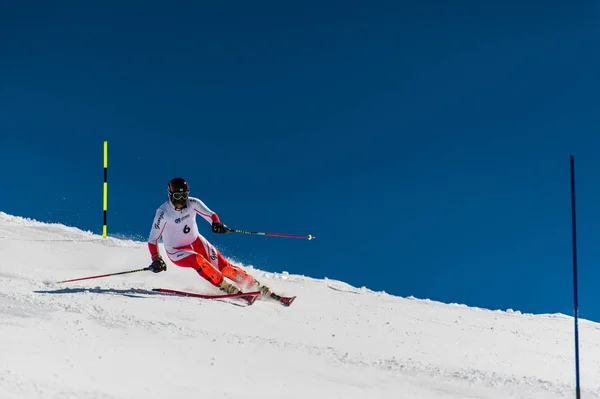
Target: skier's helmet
179,192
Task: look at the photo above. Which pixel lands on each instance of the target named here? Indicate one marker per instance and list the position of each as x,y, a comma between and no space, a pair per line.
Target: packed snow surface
114,338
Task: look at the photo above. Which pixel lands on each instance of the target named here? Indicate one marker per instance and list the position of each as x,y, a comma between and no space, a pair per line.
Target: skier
175,221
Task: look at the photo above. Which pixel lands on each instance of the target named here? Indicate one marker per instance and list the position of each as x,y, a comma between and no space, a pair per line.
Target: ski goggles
180,196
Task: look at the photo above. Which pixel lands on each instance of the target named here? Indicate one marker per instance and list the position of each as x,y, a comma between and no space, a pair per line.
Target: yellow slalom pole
105,186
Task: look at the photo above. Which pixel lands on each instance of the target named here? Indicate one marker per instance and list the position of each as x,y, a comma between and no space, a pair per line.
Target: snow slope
110,338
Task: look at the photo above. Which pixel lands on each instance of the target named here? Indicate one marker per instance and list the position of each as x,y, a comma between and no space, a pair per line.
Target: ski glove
219,228
158,265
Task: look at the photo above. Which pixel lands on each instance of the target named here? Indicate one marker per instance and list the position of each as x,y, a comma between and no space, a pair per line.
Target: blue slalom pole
575,294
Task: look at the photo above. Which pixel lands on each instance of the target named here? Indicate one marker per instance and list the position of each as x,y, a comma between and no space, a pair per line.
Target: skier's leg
187,257
235,273
202,267
239,275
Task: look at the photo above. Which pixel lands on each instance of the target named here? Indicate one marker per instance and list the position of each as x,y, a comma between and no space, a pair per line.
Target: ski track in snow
114,338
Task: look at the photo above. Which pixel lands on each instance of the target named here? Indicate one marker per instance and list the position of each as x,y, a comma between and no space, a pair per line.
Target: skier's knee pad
238,275
208,271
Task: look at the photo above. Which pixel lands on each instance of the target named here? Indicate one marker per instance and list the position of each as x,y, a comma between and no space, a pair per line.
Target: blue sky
426,146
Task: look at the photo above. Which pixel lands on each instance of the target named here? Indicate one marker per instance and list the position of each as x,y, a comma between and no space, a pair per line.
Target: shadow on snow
131,293
128,292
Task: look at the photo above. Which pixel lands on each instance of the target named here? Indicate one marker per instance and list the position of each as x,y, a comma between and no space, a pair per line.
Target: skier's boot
264,290
228,287
232,289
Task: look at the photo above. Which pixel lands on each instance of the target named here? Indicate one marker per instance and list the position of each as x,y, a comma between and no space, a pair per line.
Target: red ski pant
209,263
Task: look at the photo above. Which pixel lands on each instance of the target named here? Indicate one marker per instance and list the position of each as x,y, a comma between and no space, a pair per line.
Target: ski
284,300
249,296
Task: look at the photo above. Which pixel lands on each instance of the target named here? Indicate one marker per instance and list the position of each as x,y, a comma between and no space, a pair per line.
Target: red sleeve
153,249
215,218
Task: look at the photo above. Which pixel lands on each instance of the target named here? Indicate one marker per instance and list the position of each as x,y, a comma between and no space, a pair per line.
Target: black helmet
178,192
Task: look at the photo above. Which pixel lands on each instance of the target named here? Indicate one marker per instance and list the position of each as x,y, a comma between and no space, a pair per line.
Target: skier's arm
158,226
201,209
211,217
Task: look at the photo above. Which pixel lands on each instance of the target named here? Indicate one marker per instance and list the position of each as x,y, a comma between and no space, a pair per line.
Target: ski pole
309,237
105,275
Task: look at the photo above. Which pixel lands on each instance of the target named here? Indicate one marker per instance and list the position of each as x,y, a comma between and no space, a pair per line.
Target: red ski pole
308,237
105,275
